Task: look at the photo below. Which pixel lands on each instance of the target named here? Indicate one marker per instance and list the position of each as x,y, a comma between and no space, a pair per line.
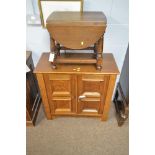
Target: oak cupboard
76,90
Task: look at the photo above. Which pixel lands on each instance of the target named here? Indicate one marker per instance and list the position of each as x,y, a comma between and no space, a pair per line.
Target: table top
109,66
72,18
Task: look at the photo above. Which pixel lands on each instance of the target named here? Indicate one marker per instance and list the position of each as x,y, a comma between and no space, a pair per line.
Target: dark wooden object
121,97
121,105
33,99
76,30
76,90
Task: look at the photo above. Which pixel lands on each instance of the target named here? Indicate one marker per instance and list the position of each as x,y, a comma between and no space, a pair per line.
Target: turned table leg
58,49
53,50
99,50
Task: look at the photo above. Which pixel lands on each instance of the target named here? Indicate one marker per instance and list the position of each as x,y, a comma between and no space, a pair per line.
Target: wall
116,36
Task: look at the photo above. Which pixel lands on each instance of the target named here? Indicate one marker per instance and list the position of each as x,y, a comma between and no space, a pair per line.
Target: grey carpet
77,136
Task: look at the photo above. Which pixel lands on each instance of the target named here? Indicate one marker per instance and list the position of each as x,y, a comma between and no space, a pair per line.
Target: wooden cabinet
76,90
33,99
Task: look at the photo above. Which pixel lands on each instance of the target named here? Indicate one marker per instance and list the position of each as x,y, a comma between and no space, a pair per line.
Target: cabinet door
61,93
91,91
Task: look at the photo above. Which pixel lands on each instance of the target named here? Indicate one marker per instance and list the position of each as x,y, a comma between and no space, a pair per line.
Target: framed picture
46,7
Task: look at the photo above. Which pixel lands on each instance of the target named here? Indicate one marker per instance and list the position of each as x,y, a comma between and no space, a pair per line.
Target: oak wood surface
76,90
108,97
76,37
44,96
61,92
76,30
108,67
77,58
93,89
75,18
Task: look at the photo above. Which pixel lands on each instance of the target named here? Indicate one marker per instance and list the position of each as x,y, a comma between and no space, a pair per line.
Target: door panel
61,92
91,91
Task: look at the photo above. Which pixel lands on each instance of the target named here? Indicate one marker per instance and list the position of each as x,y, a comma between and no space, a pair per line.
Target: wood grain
76,37
44,95
60,92
73,29
75,18
76,58
77,90
109,66
108,97
76,30
92,89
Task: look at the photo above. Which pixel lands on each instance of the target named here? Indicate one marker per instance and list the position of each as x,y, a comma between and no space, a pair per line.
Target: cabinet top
109,66
72,18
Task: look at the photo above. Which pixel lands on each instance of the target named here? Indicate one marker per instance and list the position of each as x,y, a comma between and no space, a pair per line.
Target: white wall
29,7
116,36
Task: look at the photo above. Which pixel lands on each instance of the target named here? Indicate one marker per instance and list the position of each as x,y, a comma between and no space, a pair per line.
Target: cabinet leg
58,49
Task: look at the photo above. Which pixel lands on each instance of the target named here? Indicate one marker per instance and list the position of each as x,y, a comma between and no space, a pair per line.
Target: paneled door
91,93
61,93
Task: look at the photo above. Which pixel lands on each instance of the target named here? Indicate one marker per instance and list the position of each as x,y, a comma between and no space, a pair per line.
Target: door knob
81,97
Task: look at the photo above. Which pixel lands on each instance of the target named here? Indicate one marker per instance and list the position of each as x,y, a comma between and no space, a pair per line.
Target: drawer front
60,92
91,93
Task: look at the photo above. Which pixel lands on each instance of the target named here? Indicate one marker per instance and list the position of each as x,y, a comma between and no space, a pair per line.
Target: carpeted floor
77,136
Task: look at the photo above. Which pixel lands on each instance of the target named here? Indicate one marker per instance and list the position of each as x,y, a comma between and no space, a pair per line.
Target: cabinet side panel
44,95
107,104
